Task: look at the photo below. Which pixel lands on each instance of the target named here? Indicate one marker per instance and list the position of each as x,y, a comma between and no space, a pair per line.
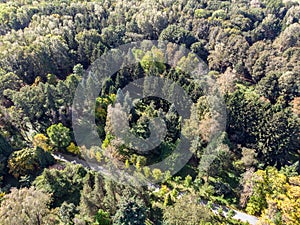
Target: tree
113,35
289,37
268,87
89,47
151,21
157,174
290,204
245,110
29,161
73,149
29,102
289,85
41,141
278,137
179,214
63,185
219,14
248,159
275,197
102,218
153,61
291,16
59,135
92,196
290,170
178,35
5,148
78,70
5,151
131,210
8,81
202,13
266,182
269,28
67,212
247,185
230,52
274,6
26,206
258,58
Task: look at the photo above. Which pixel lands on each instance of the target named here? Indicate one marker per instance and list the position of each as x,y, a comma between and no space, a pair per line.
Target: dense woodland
252,49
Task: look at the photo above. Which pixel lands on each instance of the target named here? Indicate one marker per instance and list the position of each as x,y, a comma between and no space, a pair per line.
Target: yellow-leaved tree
40,140
275,197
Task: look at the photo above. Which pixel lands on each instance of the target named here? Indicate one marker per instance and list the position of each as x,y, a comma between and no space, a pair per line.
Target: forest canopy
252,52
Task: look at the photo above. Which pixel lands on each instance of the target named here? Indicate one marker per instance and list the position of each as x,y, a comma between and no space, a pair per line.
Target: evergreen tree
131,210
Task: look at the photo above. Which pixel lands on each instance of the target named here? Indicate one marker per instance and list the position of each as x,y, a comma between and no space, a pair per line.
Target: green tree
92,196
29,161
268,87
5,151
59,135
277,138
67,212
245,110
269,28
178,35
78,70
289,37
63,185
8,81
89,47
102,218
181,215
131,210
289,85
